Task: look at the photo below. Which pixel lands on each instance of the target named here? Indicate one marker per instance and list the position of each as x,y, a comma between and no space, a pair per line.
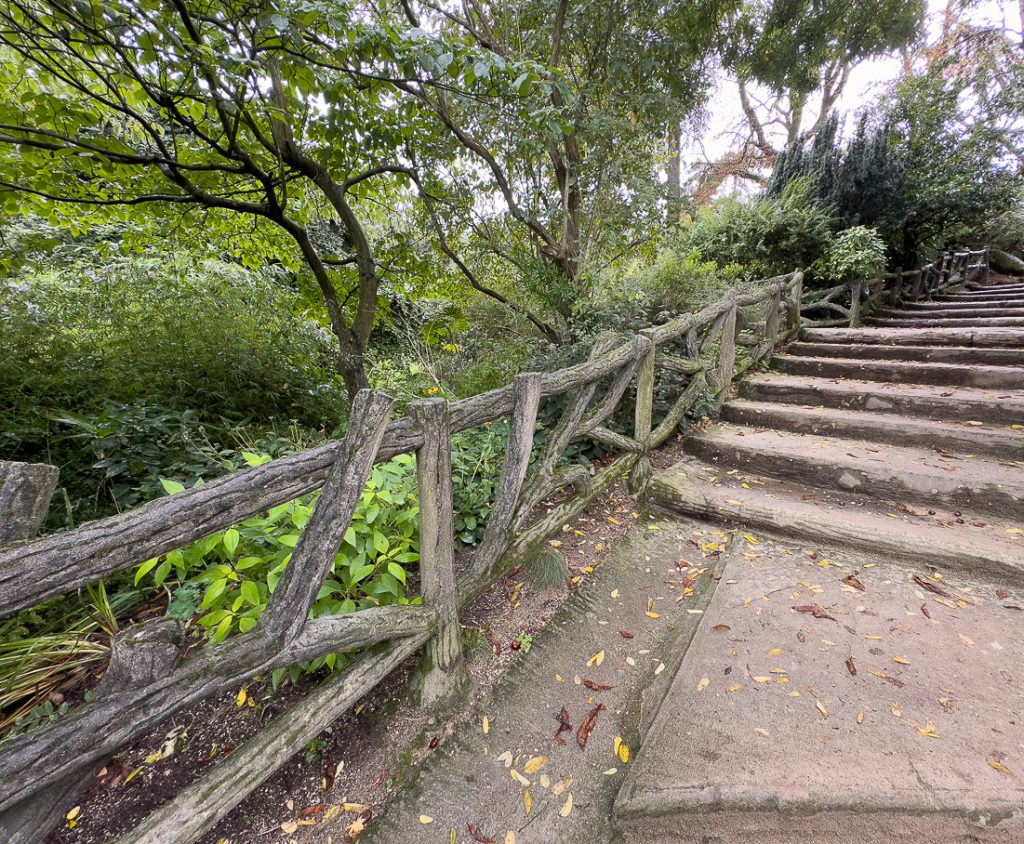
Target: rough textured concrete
949,310
998,407
905,372
911,475
964,306
992,337
767,735
466,782
990,548
951,322
934,354
1002,442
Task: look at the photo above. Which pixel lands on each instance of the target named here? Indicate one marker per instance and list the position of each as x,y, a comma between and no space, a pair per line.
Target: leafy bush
119,373
237,569
766,237
857,252
228,577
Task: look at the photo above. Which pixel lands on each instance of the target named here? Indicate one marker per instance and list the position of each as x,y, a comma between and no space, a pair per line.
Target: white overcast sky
865,83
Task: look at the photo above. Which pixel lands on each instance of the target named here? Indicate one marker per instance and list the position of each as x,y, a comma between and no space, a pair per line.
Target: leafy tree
553,168
936,158
791,60
226,111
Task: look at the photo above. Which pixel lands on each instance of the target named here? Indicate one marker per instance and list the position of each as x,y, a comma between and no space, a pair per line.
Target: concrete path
893,714
522,777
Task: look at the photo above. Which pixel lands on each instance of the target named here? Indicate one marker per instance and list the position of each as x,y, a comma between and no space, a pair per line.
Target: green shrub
765,237
125,372
856,252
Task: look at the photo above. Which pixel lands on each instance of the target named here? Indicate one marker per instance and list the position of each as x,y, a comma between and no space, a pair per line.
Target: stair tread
970,437
1011,400
895,363
985,337
724,742
903,469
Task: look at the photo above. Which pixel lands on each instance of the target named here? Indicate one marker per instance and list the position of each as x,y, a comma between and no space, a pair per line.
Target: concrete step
904,372
885,472
931,354
1013,286
768,737
950,322
1002,443
963,306
984,296
467,780
992,309
987,337
995,407
967,544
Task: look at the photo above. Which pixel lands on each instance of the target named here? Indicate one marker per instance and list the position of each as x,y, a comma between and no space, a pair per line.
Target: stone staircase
882,437
812,707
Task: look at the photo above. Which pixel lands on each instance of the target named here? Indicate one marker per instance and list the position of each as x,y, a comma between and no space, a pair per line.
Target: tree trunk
351,365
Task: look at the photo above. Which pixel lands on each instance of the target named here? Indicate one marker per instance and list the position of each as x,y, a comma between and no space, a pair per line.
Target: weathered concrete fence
150,676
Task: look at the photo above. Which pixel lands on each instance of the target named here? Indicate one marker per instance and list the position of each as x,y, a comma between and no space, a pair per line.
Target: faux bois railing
849,303
153,674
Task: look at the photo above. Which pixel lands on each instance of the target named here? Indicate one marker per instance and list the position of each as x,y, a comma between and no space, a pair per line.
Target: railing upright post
442,676
985,265
643,414
727,353
855,292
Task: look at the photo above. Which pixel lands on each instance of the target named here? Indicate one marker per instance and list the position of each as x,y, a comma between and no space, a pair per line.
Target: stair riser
1009,295
928,354
949,313
963,307
893,373
1012,338
925,322
690,500
982,442
885,402
923,490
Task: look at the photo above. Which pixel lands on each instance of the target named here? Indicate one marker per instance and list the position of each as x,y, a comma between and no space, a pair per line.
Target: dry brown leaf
583,733
931,587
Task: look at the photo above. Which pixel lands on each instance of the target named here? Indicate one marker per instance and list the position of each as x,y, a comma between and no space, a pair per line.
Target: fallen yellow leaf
74,813
566,807
703,684
596,659
900,660
425,819
999,766
240,697
535,764
288,827
821,708
624,753
518,777
486,725
527,801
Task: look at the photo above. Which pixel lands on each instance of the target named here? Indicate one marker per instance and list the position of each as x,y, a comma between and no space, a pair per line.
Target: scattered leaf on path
535,764
816,610
583,733
566,807
478,835
703,684
999,766
931,587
